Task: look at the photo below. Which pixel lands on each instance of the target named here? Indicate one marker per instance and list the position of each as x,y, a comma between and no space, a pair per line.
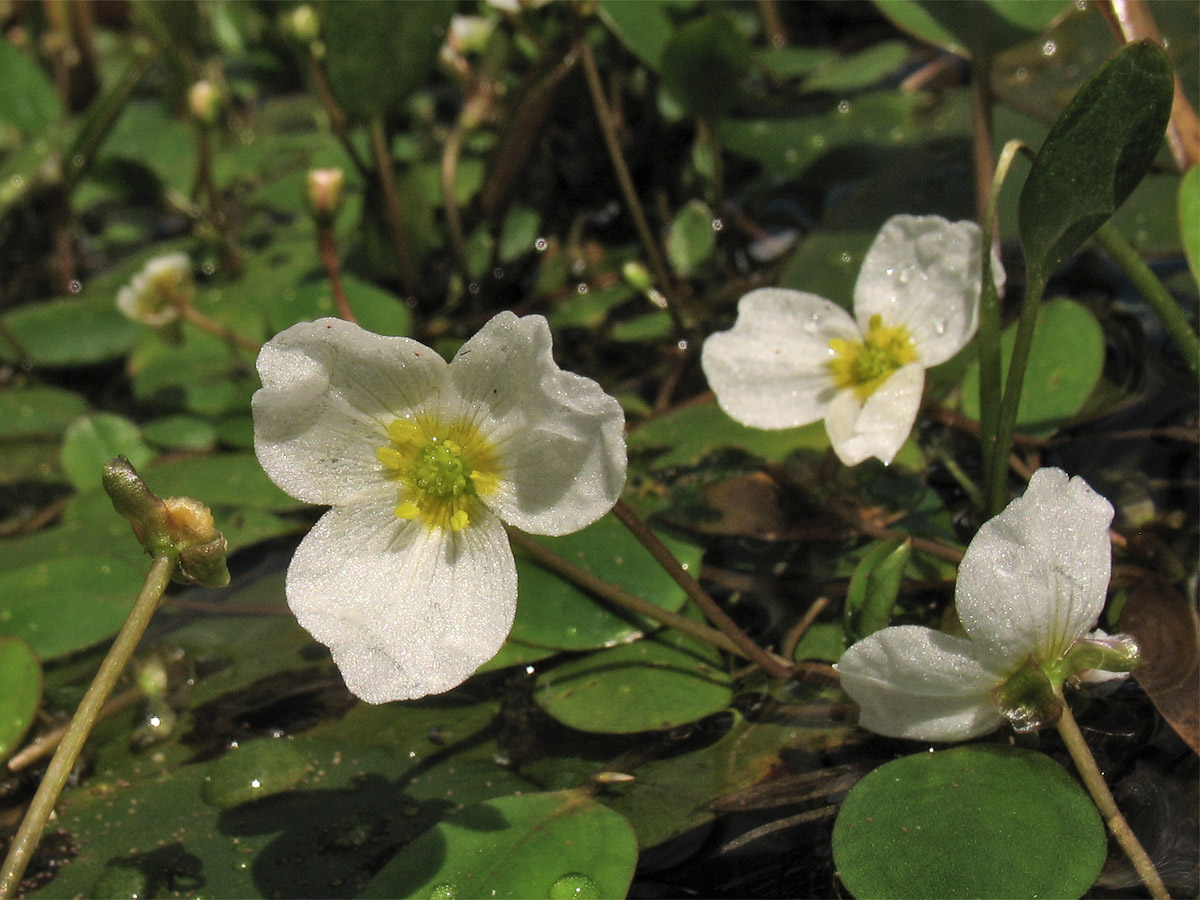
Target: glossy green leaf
560,845
1189,218
703,64
980,28
377,54
589,309
644,27
91,441
691,239
224,479
874,587
64,605
553,613
1065,364
376,309
860,70
21,675
787,147
28,102
180,433
978,821
684,435
824,641
659,682
69,332
38,411
1095,155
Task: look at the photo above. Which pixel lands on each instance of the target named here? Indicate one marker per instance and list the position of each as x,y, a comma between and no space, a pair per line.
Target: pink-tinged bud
204,102
324,191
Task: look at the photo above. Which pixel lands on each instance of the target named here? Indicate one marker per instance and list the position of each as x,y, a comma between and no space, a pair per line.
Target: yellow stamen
867,364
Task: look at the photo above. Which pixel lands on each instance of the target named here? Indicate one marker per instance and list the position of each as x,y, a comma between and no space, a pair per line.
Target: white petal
913,682
770,370
406,610
1033,579
880,426
560,438
329,390
924,272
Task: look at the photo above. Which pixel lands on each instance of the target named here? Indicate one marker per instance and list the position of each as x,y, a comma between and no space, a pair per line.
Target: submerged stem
769,663
30,832
1093,780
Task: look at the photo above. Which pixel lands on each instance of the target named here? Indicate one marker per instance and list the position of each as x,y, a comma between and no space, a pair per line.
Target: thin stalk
30,832
327,247
549,559
981,132
338,122
392,205
450,154
769,663
624,179
1159,298
215,328
1006,422
1093,780
988,341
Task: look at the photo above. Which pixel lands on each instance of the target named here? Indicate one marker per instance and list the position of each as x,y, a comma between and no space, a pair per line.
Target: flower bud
323,192
204,102
156,294
301,24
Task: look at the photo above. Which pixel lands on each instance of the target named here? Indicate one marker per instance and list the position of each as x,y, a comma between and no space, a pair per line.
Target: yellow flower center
865,365
442,470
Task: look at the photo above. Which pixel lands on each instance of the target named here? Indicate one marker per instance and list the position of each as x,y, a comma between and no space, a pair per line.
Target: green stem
1006,422
772,665
30,832
1093,780
988,341
1159,298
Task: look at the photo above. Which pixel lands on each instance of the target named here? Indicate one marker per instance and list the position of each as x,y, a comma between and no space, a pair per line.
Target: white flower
1031,585
155,294
792,358
409,578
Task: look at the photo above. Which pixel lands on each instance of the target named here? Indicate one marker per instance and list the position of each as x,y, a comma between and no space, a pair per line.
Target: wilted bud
158,292
178,527
301,24
323,192
204,102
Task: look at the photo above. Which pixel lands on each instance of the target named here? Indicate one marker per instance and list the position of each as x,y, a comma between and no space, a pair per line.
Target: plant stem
1159,298
30,832
769,663
1093,780
327,246
215,328
392,205
653,254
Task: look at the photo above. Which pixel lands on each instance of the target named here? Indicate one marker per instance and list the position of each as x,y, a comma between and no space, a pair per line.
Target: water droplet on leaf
574,886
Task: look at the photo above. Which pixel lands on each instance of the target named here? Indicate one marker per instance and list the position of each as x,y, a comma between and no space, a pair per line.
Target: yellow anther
404,432
867,364
459,520
390,457
407,510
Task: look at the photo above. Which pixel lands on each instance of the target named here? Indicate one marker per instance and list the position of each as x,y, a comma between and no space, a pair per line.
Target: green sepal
1028,699
1111,653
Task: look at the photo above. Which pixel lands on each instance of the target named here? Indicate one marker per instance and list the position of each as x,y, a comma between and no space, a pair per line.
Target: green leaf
180,433
377,54
658,682
874,587
21,675
69,332
28,101
978,28
91,441
979,821
691,239
38,411
1066,361
860,70
376,309
1095,155
703,64
794,62
824,641
64,605
224,479
684,435
1189,218
518,233
558,845
554,613
644,27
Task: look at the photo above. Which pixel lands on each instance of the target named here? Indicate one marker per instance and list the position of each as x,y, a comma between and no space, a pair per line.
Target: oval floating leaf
556,614
659,682
559,844
703,64
1066,360
21,676
978,821
42,411
91,441
1095,155
252,771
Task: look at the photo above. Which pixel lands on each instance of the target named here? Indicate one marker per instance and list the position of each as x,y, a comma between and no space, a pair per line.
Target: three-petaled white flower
792,358
157,293
409,578
1031,585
